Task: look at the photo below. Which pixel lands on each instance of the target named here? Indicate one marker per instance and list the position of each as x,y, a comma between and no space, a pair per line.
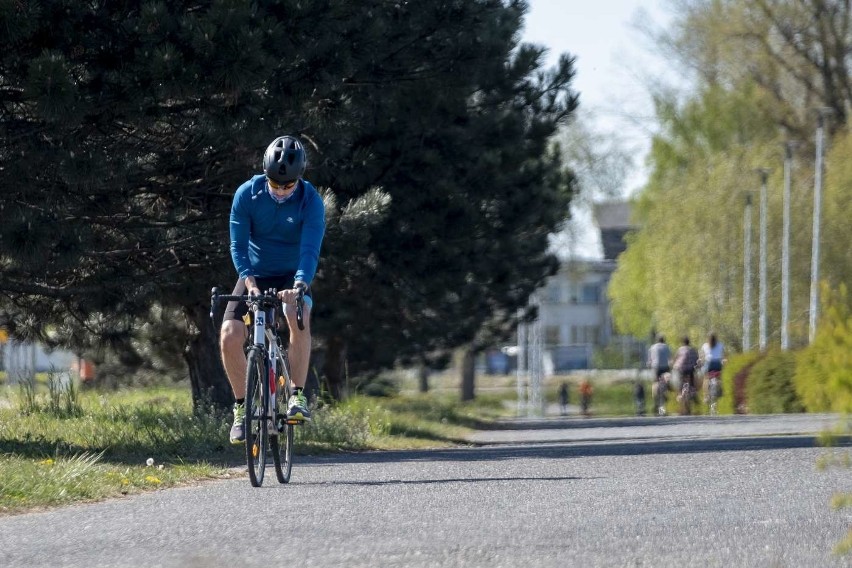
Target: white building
574,312
574,305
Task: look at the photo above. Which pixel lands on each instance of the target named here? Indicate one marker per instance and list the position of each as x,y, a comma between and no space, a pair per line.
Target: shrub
770,388
734,378
823,377
349,425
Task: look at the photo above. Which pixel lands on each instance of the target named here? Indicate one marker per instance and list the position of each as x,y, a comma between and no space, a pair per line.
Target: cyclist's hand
290,296
251,287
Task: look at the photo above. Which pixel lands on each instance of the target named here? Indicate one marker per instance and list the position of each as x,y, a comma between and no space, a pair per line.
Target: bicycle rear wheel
255,427
282,444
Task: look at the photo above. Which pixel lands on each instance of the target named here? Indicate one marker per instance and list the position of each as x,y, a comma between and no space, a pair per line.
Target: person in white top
712,354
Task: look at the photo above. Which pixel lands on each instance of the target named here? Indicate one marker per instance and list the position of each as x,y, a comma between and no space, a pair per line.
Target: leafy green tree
682,271
794,50
760,71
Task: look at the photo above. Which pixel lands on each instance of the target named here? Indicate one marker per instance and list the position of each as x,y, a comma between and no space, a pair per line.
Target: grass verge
59,446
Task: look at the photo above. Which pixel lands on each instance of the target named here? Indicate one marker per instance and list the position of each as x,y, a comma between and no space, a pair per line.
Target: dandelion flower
152,479
149,462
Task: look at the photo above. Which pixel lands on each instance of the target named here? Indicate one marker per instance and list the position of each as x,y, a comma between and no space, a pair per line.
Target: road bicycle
713,392
268,385
659,390
685,398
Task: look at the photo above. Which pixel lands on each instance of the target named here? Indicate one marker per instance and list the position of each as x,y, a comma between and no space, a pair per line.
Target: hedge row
817,378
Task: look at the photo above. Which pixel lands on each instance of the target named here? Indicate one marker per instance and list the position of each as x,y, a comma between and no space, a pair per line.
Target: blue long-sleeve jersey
270,238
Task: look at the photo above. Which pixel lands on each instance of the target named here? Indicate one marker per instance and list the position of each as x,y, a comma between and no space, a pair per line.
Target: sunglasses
285,186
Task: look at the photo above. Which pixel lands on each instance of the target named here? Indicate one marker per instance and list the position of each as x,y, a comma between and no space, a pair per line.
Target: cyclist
658,361
712,354
712,359
277,225
686,358
658,357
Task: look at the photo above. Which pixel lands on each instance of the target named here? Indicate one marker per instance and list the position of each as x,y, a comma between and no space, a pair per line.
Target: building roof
613,220
613,215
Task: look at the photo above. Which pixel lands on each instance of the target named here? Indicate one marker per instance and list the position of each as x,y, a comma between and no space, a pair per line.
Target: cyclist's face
281,190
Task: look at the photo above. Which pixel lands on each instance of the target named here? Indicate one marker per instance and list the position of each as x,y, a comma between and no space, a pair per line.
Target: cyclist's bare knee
290,312
233,335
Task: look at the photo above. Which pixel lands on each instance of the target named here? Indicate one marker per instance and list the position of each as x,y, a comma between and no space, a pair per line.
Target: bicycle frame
264,335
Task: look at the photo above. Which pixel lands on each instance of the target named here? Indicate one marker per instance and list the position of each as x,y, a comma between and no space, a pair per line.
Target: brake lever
214,297
300,302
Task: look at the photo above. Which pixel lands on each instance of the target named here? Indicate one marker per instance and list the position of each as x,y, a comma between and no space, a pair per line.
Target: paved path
652,428
738,501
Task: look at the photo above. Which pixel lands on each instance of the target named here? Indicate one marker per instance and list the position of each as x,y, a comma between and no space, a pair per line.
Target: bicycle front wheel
256,417
282,444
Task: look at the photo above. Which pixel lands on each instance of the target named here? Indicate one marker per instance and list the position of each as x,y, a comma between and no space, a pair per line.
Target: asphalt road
621,498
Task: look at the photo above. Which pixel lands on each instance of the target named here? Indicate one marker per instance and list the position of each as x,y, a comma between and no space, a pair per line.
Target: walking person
277,224
563,399
639,397
586,391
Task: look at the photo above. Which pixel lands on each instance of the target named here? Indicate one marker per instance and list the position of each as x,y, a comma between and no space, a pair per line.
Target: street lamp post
762,327
820,142
747,275
522,364
785,248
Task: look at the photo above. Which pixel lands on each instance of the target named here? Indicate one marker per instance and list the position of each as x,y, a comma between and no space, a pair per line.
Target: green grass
59,446
28,483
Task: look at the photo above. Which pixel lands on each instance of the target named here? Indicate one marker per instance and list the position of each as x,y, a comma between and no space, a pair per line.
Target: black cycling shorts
236,310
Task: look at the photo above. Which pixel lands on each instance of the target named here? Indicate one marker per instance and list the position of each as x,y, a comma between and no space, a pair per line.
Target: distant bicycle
268,387
685,398
713,391
659,392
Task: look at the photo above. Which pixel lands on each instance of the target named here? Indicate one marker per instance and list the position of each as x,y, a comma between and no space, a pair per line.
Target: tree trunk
210,386
334,367
423,375
468,375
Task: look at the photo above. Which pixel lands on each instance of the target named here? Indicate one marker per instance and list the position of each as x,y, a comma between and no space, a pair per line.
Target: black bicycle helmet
285,160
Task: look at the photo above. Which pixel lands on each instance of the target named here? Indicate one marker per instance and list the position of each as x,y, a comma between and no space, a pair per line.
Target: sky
614,63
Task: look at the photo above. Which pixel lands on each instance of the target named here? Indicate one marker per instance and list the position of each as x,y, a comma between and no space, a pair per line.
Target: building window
552,293
572,292
591,294
585,334
551,335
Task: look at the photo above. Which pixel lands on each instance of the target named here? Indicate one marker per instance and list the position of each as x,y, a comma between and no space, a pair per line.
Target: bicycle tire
255,427
282,444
